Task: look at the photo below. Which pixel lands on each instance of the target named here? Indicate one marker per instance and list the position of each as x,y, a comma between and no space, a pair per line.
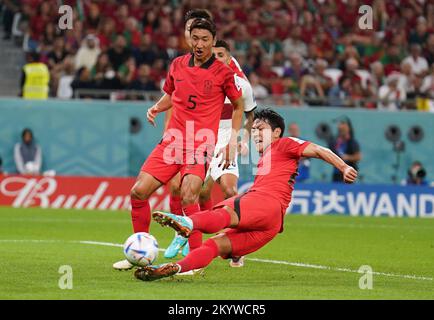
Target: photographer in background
416,175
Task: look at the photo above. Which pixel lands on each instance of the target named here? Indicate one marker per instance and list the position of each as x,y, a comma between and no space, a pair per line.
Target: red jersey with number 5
198,94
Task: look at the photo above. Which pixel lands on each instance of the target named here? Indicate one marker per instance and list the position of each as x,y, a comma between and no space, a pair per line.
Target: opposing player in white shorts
216,172
228,178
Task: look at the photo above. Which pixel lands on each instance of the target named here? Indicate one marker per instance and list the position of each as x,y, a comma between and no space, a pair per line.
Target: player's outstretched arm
162,105
315,151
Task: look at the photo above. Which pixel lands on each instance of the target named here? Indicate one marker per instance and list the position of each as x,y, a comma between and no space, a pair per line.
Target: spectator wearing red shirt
39,21
283,28
109,8
131,33
348,13
308,27
324,44
164,31
254,26
136,9
228,25
121,18
150,22
106,33
266,73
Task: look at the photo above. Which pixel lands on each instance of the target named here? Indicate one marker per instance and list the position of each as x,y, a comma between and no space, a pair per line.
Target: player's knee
189,198
138,194
229,191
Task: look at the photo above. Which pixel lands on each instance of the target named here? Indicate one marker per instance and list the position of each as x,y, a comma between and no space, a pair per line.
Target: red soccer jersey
277,169
198,95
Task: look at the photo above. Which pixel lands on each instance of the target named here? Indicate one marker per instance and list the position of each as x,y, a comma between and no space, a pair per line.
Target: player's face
187,32
221,54
263,135
202,42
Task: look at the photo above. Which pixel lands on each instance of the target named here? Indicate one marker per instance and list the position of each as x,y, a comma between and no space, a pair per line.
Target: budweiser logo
68,193
76,193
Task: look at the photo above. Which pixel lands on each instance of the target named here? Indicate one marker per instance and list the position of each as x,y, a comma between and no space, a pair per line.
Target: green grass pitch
317,257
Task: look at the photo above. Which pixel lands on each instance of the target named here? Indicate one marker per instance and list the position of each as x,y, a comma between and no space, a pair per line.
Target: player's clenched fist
350,174
151,114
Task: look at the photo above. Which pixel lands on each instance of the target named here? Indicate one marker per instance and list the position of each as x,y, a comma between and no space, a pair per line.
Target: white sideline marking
314,266
293,264
108,244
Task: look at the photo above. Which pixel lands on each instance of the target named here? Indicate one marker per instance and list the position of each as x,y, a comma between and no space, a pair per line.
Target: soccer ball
141,249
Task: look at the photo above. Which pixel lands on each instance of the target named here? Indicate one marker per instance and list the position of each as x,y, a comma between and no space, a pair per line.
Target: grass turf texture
29,270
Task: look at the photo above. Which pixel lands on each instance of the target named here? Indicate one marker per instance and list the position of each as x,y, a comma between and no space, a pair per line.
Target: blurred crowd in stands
311,51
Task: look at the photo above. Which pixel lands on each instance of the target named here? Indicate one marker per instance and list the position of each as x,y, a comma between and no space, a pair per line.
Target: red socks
200,257
207,205
140,215
211,221
195,239
175,205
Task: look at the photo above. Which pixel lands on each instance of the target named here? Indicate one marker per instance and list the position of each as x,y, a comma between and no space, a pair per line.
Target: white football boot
123,265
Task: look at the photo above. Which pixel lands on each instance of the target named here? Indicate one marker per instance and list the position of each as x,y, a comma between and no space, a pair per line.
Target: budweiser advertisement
98,193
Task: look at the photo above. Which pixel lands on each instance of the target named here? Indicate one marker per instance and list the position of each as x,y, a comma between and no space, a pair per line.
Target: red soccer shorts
260,217
163,164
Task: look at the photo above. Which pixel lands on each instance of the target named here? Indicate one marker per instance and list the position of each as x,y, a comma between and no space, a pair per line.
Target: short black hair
206,24
222,44
274,119
25,131
197,13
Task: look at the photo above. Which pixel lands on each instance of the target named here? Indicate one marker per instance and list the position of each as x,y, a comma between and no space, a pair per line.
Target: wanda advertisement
96,193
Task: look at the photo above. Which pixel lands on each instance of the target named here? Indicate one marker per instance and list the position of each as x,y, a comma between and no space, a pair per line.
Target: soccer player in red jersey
174,185
251,220
195,87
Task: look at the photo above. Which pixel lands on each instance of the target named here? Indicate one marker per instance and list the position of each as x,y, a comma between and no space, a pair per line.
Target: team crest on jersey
207,86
